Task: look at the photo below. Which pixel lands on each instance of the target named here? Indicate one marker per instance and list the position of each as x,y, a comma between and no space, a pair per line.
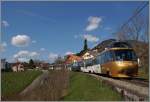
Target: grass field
14,82
86,88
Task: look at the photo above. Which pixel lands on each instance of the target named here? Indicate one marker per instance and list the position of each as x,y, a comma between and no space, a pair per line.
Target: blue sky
48,29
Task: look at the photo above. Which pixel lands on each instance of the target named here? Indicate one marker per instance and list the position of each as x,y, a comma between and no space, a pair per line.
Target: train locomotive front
120,62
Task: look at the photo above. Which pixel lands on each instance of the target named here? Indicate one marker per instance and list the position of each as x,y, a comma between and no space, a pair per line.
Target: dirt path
35,83
50,86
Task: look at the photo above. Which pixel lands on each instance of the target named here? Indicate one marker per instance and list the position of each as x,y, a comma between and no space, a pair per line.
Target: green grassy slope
14,82
86,88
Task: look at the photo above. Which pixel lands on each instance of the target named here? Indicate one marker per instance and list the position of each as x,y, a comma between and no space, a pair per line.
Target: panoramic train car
90,66
87,65
118,60
76,66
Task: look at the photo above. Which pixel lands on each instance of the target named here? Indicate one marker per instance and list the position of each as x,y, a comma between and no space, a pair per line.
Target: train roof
118,48
114,49
119,44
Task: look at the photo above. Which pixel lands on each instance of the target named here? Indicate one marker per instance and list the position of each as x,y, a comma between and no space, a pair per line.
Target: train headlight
120,63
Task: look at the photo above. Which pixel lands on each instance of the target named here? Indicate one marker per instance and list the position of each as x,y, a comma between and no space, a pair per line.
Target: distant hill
101,46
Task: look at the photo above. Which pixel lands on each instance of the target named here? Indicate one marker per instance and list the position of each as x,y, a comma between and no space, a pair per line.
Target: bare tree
59,60
145,36
134,30
137,26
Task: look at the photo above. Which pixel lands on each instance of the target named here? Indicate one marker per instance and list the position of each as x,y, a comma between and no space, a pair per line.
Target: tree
85,48
59,60
136,28
85,45
31,64
145,36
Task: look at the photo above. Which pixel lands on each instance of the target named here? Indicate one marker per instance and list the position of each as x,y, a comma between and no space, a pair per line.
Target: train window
107,56
80,63
94,61
125,55
89,62
110,56
100,59
103,58
97,59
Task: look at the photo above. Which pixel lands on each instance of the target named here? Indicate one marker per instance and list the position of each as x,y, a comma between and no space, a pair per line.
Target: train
117,60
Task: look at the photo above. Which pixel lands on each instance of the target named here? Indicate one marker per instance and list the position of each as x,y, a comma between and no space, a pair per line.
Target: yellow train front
118,62
123,63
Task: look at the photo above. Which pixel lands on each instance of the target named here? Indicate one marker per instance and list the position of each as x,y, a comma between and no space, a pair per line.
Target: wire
136,13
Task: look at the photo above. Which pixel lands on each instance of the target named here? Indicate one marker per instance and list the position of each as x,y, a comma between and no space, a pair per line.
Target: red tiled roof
71,58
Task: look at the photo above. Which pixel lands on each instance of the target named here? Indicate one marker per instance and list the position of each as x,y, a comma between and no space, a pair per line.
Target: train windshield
89,62
125,55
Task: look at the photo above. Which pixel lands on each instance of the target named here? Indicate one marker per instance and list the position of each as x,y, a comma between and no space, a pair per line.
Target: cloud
93,23
20,40
42,49
2,46
5,23
24,54
33,41
52,57
90,38
34,54
68,53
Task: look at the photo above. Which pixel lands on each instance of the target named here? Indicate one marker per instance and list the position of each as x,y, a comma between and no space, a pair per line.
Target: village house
17,67
89,54
44,66
72,58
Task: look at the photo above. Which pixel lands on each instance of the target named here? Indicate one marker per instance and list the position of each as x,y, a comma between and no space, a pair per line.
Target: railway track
137,81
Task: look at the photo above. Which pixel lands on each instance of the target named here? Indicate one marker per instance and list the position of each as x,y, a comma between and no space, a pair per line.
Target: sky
46,30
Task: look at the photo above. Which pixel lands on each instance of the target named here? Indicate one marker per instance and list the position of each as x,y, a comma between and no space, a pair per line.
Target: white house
89,54
18,68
